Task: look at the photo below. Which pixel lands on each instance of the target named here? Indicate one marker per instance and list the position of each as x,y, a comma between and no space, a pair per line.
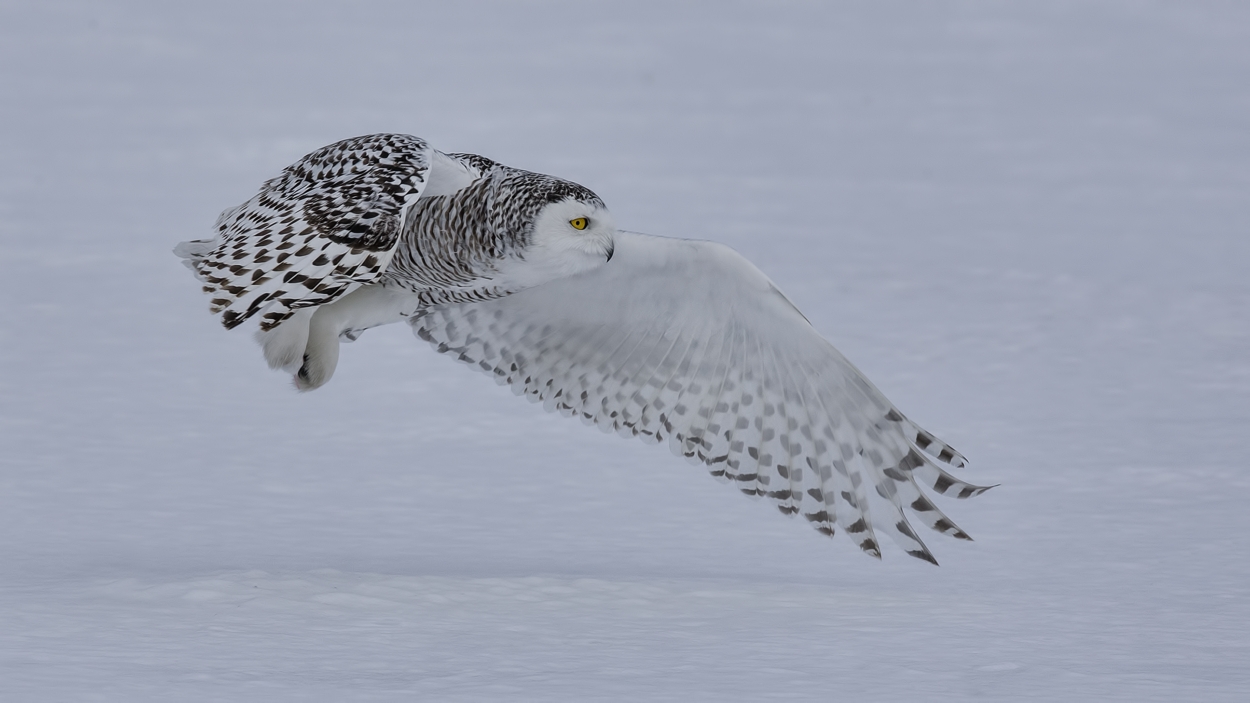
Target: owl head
560,228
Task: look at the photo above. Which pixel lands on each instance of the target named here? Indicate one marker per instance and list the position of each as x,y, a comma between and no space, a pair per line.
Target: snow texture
1026,222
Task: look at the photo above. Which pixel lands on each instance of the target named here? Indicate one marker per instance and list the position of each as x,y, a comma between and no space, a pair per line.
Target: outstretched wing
686,342
330,222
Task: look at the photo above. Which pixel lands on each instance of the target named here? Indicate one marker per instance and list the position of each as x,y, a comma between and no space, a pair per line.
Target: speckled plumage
727,373
328,222
452,241
675,341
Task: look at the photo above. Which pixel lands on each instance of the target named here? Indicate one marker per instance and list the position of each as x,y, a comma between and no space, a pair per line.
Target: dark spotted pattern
452,243
785,428
328,222
806,431
350,213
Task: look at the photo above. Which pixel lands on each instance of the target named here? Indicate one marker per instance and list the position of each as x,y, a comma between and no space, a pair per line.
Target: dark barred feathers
329,222
526,278
686,344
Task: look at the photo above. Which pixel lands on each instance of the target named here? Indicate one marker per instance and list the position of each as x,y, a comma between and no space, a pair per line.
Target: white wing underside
685,342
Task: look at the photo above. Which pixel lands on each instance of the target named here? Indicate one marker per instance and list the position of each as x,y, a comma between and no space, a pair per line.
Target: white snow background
1028,223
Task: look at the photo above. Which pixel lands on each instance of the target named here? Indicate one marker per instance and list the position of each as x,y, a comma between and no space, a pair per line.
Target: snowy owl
525,277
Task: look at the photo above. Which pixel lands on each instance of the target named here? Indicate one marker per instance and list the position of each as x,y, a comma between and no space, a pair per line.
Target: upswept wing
328,223
685,342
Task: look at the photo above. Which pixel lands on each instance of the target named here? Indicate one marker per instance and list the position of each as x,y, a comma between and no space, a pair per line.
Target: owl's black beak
611,251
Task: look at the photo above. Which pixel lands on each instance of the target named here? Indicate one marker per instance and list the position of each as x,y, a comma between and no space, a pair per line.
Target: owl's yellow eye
579,223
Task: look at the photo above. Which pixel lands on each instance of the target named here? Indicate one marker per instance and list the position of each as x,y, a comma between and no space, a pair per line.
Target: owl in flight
526,278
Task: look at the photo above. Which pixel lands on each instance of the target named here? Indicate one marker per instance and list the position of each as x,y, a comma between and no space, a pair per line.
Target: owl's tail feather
194,251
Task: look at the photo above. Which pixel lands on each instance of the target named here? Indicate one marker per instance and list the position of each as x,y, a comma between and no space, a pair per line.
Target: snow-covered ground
1029,223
